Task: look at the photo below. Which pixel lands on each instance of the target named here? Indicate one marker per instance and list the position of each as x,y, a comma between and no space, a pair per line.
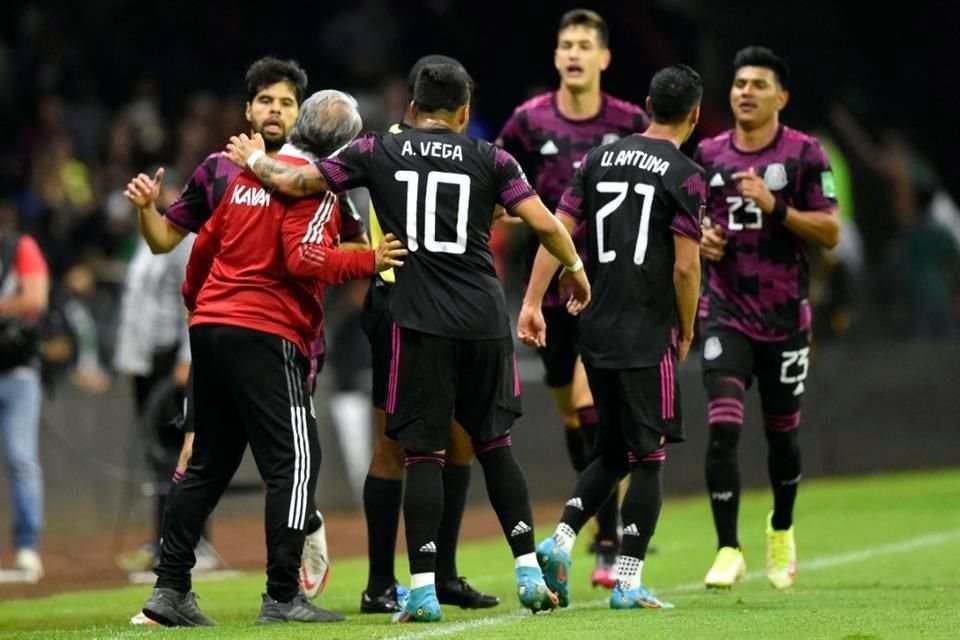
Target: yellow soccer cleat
727,569
781,556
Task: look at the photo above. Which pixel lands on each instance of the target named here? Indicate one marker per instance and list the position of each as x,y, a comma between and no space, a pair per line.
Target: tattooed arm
289,179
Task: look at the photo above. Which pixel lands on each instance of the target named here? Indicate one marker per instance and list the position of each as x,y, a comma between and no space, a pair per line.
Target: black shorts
639,409
433,379
560,354
780,367
376,322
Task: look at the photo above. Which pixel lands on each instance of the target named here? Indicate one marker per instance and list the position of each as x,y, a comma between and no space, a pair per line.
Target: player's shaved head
433,58
441,87
674,92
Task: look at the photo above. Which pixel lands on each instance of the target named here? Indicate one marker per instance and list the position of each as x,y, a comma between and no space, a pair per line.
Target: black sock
641,507
507,489
576,447
422,509
723,482
588,428
594,487
608,515
381,504
783,463
456,481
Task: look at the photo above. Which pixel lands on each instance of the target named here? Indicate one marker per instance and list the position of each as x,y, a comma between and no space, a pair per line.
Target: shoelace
462,582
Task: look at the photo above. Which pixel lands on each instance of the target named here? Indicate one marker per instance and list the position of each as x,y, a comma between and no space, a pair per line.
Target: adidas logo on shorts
430,547
521,528
631,530
576,503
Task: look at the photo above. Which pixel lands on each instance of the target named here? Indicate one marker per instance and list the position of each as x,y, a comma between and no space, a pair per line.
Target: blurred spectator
836,273
24,283
79,286
923,259
930,262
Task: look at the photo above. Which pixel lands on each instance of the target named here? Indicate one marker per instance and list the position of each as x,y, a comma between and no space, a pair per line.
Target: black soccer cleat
386,602
173,608
457,591
297,610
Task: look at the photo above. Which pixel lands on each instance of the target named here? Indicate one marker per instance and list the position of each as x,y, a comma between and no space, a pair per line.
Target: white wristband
576,266
252,160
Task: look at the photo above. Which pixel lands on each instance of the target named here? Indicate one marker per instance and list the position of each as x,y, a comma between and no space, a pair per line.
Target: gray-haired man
256,306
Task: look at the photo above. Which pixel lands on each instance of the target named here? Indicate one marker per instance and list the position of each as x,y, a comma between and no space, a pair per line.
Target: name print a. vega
433,149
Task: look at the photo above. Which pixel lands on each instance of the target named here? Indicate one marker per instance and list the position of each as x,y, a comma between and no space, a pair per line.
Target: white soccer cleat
28,562
726,570
315,562
781,556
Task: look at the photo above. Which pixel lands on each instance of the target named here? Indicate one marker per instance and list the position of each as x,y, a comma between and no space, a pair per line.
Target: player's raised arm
289,179
162,236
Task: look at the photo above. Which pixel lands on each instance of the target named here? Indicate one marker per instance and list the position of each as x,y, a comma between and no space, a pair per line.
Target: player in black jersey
452,353
383,488
640,199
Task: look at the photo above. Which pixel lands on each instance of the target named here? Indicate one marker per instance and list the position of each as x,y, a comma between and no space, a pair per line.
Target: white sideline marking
824,562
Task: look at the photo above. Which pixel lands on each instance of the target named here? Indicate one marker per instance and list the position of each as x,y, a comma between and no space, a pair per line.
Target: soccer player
383,489
771,193
548,135
254,289
640,199
452,355
275,89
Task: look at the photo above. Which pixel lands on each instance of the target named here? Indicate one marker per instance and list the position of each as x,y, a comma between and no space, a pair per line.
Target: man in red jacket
254,289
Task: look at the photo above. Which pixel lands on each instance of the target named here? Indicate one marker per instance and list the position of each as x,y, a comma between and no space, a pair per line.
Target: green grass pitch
878,559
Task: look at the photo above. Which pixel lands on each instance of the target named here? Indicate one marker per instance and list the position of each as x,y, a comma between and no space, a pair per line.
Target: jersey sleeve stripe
314,234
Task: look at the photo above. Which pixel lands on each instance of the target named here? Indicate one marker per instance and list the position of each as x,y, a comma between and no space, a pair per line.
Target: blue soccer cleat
532,590
637,598
555,563
421,606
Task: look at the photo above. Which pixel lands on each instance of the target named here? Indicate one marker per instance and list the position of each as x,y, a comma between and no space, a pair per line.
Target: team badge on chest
775,176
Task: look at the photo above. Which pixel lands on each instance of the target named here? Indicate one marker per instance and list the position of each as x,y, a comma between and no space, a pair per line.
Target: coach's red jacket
262,261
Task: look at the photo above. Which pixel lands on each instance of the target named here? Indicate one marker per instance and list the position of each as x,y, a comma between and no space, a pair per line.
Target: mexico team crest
775,176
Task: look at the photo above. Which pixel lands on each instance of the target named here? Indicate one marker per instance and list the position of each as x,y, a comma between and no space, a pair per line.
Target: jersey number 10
621,189
434,179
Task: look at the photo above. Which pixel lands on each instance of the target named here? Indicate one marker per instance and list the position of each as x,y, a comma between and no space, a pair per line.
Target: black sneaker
297,610
386,602
459,592
173,608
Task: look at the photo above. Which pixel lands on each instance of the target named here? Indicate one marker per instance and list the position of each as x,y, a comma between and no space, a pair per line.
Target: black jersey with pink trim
436,190
633,196
549,147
